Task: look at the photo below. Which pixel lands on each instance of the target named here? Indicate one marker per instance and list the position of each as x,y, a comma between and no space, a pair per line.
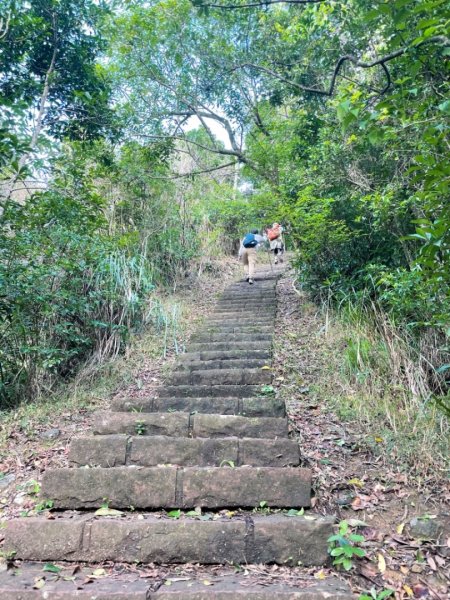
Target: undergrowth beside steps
171,317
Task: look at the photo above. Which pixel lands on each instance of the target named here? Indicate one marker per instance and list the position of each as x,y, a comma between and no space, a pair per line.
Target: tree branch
4,25
193,173
441,39
260,3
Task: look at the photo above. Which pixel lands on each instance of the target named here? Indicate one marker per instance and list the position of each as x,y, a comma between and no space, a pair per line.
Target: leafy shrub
68,289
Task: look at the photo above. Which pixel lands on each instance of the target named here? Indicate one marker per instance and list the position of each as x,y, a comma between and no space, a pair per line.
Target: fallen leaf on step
39,583
356,523
404,570
266,368
381,563
320,575
108,512
98,573
399,528
51,568
206,582
356,482
408,590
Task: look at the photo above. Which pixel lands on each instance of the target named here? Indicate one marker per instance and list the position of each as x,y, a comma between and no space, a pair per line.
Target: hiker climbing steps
215,437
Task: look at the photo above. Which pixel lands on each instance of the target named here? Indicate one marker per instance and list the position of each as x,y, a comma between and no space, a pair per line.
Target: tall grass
387,379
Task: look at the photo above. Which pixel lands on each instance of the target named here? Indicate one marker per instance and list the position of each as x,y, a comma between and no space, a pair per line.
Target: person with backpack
275,237
247,252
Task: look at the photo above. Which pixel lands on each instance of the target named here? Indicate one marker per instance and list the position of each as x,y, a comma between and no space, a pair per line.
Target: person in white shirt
247,252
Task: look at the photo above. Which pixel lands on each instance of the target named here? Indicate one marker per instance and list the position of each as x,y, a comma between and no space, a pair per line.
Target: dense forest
139,139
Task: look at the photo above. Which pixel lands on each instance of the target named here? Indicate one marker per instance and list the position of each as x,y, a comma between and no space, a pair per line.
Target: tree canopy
199,118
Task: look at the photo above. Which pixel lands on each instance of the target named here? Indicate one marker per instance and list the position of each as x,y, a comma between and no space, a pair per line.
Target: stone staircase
215,438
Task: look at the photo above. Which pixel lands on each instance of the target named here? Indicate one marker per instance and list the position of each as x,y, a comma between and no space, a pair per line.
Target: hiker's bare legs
249,262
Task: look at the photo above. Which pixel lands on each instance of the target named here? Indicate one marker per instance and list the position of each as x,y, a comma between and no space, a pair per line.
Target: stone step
251,294
232,346
265,281
239,319
177,487
257,539
244,312
245,290
122,450
215,377
243,287
252,407
225,355
232,337
199,365
213,391
245,307
183,424
232,329
19,584
259,304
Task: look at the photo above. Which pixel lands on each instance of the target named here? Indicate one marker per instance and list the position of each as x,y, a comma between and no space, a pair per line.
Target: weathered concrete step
240,319
264,283
232,337
177,487
183,424
215,377
247,306
270,297
232,346
20,584
225,355
251,407
213,391
258,304
244,312
266,539
121,450
261,300
235,329
199,365
237,588
267,292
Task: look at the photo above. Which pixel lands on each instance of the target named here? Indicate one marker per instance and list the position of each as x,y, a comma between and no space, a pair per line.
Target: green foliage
140,427
69,288
56,44
375,595
343,547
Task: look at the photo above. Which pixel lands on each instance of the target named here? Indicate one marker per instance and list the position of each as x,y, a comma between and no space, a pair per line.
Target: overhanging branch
438,39
193,173
261,3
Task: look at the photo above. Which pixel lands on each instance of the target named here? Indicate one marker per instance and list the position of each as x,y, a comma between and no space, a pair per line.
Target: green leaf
105,511
51,568
347,564
445,107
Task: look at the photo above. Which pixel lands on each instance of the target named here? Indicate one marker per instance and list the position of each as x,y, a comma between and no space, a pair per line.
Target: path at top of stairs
215,437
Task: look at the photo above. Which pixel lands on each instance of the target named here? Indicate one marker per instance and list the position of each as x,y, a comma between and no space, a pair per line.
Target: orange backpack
273,233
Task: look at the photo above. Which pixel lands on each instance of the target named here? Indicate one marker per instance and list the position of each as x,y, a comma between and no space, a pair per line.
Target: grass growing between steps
378,452
35,436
